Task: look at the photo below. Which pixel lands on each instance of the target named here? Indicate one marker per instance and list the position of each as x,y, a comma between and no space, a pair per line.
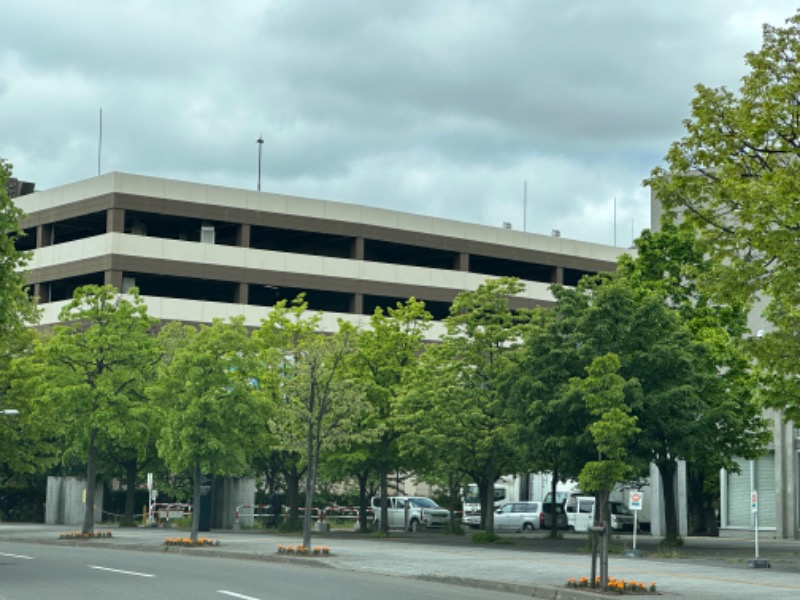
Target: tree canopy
92,375
735,178
457,409
213,411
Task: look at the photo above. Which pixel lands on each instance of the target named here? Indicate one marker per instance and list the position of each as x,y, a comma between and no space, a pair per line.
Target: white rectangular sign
635,500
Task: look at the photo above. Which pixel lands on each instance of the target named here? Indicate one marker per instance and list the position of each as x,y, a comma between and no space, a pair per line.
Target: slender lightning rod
260,142
100,142
525,207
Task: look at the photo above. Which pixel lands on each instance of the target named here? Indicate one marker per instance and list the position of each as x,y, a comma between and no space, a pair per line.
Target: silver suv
411,512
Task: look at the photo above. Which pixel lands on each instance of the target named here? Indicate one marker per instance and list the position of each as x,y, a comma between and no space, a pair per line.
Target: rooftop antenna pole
100,142
525,207
260,142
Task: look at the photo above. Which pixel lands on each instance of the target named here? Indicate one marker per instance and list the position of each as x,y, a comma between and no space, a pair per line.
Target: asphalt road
41,572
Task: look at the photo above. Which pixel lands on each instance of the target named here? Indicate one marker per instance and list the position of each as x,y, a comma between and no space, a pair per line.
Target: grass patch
670,548
484,537
377,533
614,546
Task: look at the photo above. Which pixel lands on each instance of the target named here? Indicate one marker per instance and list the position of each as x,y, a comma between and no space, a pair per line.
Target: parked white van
580,512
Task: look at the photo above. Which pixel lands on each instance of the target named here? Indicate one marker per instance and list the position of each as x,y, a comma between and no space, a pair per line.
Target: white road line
16,556
120,571
235,595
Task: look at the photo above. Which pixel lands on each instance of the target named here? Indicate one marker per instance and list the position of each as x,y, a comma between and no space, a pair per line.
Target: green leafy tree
319,407
554,434
686,409
603,391
386,353
671,262
735,178
17,311
213,410
94,368
457,406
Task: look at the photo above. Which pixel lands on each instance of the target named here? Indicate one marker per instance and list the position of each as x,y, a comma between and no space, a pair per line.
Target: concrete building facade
197,251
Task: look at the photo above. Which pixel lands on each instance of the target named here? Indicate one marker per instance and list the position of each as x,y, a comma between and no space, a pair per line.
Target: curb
535,591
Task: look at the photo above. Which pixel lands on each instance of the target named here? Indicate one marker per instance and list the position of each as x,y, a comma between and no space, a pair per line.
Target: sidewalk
531,565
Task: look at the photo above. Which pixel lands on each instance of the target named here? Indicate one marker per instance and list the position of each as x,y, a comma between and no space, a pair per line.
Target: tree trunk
554,502
491,477
197,490
293,475
384,483
130,492
602,519
91,482
311,466
667,470
363,501
482,497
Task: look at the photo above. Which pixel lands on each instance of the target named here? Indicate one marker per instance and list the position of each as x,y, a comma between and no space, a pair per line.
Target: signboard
754,501
149,481
635,500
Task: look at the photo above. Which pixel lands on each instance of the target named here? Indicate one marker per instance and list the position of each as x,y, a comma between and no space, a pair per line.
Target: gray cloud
440,108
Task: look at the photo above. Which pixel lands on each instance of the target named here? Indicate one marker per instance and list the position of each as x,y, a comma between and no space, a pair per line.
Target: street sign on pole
754,501
635,505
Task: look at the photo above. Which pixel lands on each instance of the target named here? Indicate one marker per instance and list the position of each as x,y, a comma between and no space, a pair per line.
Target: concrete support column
113,277
44,235
462,262
785,479
242,293
243,235
357,304
357,249
42,291
115,220
682,501
558,275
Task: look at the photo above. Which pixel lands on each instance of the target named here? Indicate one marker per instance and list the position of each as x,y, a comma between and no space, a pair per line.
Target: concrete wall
64,502
228,493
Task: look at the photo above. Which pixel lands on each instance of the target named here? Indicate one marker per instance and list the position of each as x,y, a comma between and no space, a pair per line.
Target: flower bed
79,535
615,585
301,550
188,543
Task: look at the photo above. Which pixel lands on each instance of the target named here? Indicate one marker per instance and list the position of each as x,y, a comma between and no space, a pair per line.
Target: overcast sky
437,107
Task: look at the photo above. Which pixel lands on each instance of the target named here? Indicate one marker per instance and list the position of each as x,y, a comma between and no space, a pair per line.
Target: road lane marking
235,595
121,571
16,556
